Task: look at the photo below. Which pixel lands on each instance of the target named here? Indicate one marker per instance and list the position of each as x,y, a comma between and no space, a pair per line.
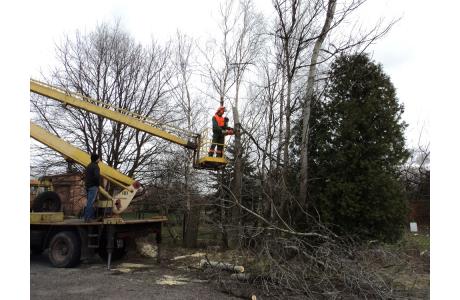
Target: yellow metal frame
115,220
46,217
128,184
209,162
113,113
77,155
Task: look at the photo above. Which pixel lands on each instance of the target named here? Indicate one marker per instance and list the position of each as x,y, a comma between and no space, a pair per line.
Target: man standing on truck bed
92,182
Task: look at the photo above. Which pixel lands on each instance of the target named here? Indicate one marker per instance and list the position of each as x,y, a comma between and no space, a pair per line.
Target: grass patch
418,241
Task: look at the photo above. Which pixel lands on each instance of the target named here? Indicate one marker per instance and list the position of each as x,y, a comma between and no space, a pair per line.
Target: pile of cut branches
320,266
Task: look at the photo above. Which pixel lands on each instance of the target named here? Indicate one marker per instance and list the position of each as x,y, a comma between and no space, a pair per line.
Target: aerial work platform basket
203,160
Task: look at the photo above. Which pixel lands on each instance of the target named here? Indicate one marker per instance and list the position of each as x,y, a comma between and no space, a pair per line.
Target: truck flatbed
81,222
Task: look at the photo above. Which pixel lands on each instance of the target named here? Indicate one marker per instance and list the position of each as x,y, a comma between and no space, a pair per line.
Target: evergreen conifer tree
358,151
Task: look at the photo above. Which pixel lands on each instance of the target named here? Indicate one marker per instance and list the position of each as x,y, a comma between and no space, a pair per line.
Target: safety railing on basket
208,148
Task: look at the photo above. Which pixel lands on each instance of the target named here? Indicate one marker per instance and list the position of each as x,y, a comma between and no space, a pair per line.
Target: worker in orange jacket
219,130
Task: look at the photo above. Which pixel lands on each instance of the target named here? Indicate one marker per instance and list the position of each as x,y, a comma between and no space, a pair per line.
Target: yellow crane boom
191,141
126,117
128,184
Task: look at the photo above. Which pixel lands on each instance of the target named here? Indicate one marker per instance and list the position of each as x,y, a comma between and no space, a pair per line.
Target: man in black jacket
92,182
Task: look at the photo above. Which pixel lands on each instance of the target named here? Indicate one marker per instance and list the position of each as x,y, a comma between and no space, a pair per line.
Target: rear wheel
47,202
65,249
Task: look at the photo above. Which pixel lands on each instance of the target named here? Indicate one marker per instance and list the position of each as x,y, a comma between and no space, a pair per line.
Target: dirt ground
180,276
134,277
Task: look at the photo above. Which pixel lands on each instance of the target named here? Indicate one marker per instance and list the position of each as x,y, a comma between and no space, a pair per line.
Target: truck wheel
118,253
47,202
65,250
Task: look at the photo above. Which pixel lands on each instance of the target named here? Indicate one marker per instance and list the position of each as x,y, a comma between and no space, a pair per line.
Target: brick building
419,211
71,189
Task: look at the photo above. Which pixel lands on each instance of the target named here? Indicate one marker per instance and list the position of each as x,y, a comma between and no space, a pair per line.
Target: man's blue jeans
90,198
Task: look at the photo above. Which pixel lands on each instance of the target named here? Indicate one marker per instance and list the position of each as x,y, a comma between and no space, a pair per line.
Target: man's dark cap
94,157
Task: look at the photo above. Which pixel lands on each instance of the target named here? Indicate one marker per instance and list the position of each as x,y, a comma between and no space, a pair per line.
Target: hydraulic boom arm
187,139
113,113
129,185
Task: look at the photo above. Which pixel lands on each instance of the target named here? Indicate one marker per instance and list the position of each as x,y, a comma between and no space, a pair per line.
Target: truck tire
117,254
47,202
65,249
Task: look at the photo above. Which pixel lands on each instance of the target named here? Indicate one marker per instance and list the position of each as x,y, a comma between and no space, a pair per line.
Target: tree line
319,135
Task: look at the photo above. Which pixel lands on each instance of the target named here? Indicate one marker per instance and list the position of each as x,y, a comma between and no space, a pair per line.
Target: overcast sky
143,19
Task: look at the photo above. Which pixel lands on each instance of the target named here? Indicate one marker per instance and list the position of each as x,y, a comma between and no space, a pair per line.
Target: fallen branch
242,276
199,254
221,265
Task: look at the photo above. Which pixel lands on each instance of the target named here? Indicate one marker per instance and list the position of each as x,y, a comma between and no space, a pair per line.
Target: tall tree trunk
191,216
286,162
238,175
287,130
223,215
303,188
191,222
222,206
280,133
267,204
192,210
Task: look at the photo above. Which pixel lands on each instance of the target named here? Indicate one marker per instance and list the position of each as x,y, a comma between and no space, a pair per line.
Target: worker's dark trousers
219,142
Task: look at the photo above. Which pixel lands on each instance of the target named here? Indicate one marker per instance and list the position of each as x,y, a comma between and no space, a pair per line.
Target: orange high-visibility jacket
218,124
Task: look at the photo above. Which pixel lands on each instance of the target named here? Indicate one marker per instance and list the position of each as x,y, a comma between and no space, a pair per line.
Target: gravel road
131,278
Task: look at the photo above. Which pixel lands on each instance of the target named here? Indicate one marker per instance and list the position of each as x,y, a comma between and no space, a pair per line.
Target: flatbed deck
81,222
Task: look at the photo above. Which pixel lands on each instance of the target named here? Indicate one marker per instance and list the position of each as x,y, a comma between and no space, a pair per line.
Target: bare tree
190,108
308,98
247,45
295,23
271,91
416,171
237,49
108,65
218,57
216,69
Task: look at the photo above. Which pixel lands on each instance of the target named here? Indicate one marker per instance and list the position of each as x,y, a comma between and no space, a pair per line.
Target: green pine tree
356,151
